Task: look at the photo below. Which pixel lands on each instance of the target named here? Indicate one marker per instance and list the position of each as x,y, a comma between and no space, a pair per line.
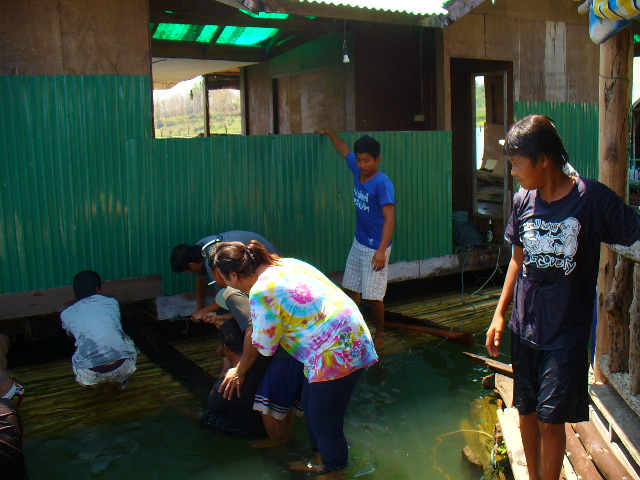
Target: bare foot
378,342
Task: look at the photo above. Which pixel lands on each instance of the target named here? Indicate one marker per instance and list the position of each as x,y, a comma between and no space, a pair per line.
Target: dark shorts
281,388
553,383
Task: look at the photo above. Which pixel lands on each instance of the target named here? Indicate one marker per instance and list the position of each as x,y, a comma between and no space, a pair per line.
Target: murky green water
397,426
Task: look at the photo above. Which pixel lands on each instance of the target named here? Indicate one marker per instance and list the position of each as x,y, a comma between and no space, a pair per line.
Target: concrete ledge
54,300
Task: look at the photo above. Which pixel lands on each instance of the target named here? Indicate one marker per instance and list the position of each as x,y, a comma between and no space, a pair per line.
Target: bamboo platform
454,311
54,400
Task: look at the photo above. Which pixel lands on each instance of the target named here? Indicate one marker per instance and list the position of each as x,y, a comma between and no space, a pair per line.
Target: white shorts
359,275
89,378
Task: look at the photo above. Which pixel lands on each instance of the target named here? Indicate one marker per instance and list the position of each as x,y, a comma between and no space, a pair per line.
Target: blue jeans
325,406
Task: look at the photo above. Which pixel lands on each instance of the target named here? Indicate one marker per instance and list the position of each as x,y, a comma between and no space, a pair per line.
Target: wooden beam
320,25
494,365
616,59
54,300
621,418
200,51
463,338
578,456
604,459
632,252
459,8
288,43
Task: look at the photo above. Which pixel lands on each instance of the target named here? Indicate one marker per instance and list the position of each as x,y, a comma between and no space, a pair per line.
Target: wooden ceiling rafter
199,51
242,20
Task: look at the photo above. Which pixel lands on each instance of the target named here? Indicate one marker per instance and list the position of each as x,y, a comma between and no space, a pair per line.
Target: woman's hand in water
232,382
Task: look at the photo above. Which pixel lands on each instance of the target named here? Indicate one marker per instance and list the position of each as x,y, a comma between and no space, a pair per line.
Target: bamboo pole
616,59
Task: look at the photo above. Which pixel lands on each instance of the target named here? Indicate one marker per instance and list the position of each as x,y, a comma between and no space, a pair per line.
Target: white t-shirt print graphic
551,244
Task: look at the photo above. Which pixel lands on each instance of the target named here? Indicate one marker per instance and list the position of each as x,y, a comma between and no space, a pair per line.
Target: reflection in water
420,390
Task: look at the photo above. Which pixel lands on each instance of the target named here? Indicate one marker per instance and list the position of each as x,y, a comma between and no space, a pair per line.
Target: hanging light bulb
345,54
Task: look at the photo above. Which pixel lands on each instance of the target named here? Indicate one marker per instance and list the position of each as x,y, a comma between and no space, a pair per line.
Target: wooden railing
623,306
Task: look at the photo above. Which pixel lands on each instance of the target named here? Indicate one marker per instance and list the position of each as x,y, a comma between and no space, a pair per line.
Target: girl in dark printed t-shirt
556,227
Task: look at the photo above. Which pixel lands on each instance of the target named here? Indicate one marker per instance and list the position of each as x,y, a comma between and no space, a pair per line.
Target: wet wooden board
494,365
622,420
509,421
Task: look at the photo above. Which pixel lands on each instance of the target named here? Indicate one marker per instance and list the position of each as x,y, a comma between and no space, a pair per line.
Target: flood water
399,426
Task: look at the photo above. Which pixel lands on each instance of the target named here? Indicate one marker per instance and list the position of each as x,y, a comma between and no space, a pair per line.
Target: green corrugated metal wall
84,186
578,125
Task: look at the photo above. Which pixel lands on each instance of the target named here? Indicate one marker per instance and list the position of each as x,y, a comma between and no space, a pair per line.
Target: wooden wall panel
311,101
529,66
553,57
259,100
105,37
498,31
30,39
555,62
323,101
465,38
288,113
75,37
553,10
582,65
387,79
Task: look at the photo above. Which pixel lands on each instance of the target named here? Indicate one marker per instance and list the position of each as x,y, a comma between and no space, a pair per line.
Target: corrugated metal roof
415,7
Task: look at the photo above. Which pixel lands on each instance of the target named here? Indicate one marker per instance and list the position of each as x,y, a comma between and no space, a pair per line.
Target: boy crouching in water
104,354
556,227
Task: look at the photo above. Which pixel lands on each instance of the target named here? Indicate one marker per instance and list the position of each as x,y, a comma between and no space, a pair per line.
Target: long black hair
534,137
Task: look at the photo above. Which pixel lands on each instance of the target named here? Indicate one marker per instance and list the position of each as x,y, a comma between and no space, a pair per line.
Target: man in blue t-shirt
365,275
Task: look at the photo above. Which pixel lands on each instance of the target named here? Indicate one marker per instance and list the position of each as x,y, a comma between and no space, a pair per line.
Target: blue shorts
553,383
281,388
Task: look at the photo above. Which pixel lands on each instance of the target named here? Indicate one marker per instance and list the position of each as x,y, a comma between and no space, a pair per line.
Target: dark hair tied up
242,259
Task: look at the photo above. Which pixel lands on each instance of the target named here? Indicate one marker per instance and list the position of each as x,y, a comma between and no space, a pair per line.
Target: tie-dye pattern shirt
294,305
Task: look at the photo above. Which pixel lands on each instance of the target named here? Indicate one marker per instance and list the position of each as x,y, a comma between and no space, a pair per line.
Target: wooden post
205,92
616,60
617,306
634,337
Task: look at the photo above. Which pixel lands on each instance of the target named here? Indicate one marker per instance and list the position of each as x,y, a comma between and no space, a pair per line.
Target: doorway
481,112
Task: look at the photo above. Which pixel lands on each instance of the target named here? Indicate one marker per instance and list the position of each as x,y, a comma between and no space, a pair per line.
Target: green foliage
181,114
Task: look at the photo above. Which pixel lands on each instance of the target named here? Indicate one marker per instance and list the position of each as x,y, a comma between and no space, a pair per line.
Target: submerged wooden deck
54,401
604,448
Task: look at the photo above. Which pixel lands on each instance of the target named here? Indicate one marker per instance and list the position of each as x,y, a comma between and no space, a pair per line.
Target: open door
482,184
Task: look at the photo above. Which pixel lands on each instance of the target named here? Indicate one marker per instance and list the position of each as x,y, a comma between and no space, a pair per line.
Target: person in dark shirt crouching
235,416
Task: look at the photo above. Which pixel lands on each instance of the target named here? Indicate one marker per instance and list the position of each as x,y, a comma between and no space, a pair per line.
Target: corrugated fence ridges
64,204
578,125
84,186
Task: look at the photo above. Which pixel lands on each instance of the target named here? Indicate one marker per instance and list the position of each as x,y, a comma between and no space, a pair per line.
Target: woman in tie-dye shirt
294,305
